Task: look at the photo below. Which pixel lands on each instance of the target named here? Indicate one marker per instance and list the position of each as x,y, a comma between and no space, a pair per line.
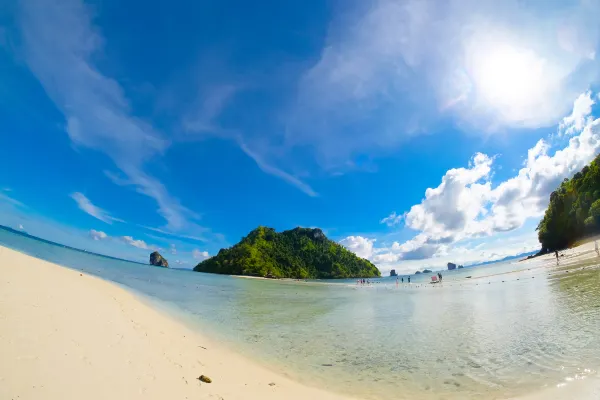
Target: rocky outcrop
417,273
426,271
158,260
393,273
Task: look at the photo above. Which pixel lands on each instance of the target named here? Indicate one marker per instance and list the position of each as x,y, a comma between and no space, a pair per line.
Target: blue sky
412,132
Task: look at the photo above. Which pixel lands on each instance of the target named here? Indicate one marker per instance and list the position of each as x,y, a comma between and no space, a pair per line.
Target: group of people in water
402,280
363,281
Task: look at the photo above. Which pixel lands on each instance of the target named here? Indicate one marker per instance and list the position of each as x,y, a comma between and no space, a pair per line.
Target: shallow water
495,335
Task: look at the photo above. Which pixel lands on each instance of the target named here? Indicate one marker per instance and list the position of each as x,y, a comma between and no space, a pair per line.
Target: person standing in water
596,247
402,279
409,279
556,254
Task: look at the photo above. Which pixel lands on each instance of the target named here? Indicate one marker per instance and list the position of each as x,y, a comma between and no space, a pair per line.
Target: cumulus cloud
454,206
140,244
200,255
86,206
97,235
582,109
361,246
466,206
173,249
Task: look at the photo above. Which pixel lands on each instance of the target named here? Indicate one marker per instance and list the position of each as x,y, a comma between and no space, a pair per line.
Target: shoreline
68,335
65,334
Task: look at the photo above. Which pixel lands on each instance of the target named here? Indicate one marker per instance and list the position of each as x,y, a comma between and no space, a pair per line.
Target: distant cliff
158,260
300,253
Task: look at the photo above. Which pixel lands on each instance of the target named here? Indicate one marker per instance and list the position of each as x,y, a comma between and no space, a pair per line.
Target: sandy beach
68,335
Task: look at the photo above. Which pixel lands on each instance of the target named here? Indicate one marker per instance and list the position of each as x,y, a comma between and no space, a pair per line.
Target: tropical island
299,253
574,210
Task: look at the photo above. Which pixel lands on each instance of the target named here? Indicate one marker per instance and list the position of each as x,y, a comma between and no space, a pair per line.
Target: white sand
66,335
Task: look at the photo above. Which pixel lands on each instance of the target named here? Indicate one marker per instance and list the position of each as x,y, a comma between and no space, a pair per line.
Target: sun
507,77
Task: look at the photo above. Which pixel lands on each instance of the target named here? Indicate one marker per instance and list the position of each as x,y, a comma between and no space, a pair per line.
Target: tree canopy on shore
574,210
300,253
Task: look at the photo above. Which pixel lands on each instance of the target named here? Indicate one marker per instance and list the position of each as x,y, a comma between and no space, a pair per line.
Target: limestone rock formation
158,260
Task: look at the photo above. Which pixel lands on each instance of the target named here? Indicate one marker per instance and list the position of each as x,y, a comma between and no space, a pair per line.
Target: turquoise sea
510,329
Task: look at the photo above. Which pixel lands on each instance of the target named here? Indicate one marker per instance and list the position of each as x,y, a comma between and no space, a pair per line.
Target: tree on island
300,253
573,211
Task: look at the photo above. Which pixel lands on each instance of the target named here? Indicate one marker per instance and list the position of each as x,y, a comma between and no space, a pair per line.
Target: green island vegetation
574,210
300,253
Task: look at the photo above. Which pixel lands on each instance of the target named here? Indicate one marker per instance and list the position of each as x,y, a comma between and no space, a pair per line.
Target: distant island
573,211
158,260
300,253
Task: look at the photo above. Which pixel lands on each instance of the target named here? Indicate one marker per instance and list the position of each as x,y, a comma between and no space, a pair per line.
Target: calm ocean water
470,338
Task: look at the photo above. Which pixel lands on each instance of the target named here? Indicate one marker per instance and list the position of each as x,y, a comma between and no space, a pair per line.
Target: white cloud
270,169
21,228
140,244
582,109
97,235
392,219
392,67
59,46
465,206
207,107
361,246
179,235
86,206
200,255
455,205
490,249
173,249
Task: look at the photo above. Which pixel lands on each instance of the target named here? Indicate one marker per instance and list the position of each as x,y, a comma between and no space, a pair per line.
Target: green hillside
574,210
298,253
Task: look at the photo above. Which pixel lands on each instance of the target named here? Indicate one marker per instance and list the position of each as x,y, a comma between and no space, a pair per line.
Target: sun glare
507,77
